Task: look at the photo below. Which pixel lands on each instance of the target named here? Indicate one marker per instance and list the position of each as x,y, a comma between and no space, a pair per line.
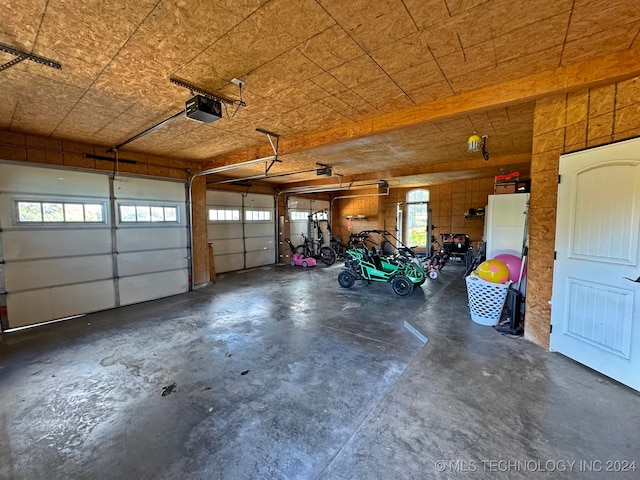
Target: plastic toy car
301,261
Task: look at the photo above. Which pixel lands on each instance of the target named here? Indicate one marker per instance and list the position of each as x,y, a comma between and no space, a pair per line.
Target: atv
367,264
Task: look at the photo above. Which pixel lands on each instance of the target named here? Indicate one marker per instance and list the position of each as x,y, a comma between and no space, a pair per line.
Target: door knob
637,280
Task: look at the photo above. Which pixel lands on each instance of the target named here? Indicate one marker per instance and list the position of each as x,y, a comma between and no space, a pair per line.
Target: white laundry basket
486,300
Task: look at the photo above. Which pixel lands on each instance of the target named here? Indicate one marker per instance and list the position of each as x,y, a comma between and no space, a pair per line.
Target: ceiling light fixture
477,144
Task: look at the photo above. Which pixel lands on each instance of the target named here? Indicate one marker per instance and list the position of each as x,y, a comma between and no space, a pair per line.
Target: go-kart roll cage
384,234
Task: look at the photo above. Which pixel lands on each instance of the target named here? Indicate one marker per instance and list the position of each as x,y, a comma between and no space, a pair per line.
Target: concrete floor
281,374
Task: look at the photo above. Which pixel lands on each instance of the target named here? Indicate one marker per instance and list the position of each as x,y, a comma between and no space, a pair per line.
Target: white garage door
259,230
61,254
151,239
241,229
300,210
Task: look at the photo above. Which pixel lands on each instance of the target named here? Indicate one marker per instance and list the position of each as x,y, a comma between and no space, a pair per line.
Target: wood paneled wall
34,149
448,202
565,123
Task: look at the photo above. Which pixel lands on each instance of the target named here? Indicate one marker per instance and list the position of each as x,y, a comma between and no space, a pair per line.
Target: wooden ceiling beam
494,163
603,70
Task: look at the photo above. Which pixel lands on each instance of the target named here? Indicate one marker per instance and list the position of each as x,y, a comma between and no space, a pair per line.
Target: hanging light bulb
475,143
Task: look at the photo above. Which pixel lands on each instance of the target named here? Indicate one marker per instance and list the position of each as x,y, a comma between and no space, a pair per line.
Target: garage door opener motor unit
203,109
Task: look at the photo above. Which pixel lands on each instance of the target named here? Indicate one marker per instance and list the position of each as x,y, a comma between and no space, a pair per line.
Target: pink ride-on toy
300,260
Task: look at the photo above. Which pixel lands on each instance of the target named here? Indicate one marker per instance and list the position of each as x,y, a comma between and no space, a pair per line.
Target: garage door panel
22,244
260,243
224,199
50,272
259,201
30,179
224,231
295,229
37,306
225,247
134,239
137,263
156,285
260,230
229,263
149,189
259,258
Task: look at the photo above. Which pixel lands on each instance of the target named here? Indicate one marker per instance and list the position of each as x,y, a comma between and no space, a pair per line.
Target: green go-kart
365,264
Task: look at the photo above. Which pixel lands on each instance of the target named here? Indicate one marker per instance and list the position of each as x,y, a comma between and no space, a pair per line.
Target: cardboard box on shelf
501,188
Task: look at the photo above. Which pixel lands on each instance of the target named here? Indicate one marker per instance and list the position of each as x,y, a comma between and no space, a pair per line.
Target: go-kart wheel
293,263
402,286
433,274
305,264
346,279
328,255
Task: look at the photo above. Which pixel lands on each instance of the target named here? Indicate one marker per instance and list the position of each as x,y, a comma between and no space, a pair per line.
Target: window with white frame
321,215
60,212
224,214
257,215
417,216
299,216
148,213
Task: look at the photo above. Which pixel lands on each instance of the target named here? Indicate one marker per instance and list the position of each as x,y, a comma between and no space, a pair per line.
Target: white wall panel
506,223
55,271
137,263
37,306
156,285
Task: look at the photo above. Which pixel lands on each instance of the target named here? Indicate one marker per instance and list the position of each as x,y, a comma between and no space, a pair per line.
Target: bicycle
339,247
475,258
437,260
310,248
